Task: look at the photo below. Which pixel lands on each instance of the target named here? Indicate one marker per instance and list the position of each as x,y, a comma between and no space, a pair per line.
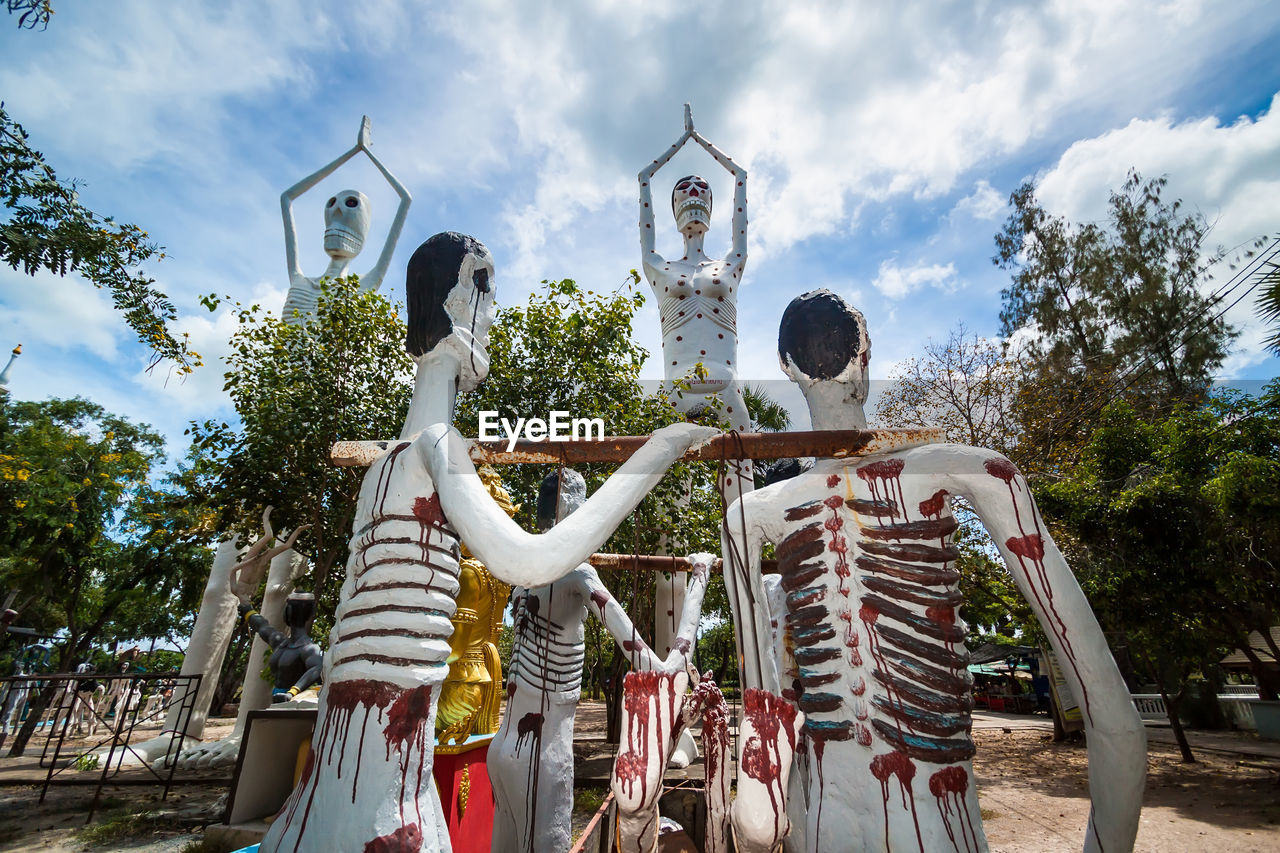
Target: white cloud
1229,173
896,282
983,203
48,312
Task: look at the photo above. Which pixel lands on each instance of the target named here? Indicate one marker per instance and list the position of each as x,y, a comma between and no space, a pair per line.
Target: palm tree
767,415
1267,306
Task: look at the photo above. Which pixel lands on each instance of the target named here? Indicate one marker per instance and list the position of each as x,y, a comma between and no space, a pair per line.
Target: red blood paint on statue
885,474
896,764
833,480
428,511
932,507
769,716
949,786
941,615
600,598
406,839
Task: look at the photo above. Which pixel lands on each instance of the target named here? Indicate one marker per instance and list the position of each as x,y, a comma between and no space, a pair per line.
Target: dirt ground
1034,796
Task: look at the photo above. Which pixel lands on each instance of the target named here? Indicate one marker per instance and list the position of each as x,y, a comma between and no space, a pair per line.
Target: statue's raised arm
738,250
346,216
648,252
373,279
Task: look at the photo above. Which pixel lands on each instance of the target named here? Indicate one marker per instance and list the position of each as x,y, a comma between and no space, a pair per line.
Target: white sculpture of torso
367,783
878,663
697,295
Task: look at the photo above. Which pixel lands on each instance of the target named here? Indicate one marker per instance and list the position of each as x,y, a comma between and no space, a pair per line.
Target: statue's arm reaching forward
619,625
526,559
1113,730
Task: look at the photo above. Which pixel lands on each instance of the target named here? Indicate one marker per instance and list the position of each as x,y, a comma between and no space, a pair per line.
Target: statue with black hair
872,652
367,784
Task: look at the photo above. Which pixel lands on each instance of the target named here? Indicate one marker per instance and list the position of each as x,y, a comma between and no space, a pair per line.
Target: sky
882,142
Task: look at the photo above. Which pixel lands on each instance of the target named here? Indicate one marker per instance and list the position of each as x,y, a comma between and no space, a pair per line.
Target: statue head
346,224
450,291
691,204
299,610
823,344
557,497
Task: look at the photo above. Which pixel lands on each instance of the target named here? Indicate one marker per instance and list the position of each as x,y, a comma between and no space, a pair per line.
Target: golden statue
471,697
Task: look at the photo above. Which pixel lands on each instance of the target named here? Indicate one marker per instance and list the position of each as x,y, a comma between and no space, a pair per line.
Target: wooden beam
824,444
655,563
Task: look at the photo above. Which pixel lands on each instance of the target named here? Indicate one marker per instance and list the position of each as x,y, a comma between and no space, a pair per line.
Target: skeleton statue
282,567
367,784
531,758
346,225
697,304
867,564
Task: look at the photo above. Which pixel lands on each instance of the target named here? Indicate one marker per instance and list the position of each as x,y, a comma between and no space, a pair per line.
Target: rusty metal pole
824,444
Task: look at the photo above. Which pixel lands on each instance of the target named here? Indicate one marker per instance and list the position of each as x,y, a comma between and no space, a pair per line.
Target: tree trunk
1171,704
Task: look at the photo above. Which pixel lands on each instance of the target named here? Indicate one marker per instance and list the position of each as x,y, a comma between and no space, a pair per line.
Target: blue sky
881,143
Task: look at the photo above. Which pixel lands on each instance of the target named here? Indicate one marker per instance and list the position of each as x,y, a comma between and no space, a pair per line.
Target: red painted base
463,781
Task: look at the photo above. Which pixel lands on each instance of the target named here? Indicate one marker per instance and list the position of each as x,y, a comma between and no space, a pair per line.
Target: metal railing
113,704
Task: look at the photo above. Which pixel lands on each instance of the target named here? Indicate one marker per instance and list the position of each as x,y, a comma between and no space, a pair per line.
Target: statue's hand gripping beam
529,560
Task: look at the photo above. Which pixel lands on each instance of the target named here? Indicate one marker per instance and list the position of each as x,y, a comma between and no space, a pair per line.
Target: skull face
346,224
691,204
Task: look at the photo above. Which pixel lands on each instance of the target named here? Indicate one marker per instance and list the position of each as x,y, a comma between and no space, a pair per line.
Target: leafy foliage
297,390
1268,306
966,385
84,535
31,13
1107,311
46,227
1178,527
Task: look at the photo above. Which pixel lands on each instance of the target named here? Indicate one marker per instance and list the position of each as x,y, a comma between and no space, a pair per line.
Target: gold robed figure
471,698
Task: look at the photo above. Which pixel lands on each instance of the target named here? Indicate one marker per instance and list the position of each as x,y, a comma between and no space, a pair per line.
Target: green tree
1175,531
45,227
1107,310
344,376
1268,303
86,533
966,385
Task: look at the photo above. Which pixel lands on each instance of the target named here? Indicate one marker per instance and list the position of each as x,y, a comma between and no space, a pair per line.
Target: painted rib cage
372,751
542,658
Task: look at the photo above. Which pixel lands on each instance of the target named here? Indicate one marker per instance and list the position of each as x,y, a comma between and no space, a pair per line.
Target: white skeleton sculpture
867,565
697,304
531,758
367,783
346,226
282,566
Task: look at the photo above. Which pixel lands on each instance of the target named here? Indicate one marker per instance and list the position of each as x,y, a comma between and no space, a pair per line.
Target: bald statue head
558,497
824,348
